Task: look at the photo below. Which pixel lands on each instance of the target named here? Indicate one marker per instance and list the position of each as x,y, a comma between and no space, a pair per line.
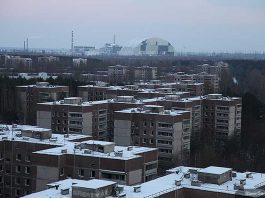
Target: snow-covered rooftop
7,133
124,153
174,181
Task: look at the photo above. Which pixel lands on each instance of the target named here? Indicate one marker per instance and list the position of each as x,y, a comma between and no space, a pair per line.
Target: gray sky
190,25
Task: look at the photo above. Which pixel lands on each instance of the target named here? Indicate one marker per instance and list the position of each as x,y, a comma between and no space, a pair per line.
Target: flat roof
6,134
166,184
93,183
214,170
127,154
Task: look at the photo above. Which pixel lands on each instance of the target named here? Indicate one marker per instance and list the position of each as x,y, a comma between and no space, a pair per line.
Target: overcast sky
190,25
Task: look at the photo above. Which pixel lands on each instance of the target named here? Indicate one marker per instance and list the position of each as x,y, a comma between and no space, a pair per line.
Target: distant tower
27,44
24,45
72,43
114,39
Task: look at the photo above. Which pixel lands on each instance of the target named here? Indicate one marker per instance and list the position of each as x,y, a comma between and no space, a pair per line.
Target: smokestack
27,44
72,44
24,45
114,39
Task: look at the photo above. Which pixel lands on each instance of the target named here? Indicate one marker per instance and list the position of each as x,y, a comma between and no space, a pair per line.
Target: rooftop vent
18,134
25,138
187,175
118,153
122,195
238,186
234,174
195,183
178,182
64,151
137,189
65,191
129,148
4,138
243,181
249,175
87,151
53,139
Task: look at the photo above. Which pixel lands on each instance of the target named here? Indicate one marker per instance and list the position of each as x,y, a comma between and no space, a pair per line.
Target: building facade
28,96
152,126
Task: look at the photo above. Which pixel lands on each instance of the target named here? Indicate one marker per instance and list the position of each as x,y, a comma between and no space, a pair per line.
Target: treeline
245,79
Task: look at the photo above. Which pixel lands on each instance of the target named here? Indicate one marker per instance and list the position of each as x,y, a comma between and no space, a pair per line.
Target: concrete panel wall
135,177
122,132
46,175
87,123
44,119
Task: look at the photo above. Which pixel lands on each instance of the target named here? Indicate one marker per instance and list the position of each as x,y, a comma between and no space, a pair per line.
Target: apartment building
72,115
206,83
180,182
79,61
17,143
193,105
195,89
28,96
222,117
48,59
98,92
96,159
17,61
210,82
152,126
145,73
118,74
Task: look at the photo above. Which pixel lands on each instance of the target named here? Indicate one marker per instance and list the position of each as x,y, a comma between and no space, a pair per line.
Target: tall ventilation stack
72,43
27,44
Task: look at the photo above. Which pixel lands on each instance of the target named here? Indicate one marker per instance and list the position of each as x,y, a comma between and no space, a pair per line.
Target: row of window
18,157
17,193
17,181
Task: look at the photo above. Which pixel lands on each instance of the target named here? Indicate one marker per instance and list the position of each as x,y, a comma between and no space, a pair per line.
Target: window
144,132
18,157
18,169
144,140
151,141
27,182
58,121
93,174
1,156
152,132
27,192
151,124
144,124
17,181
1,179
61,171
1,167
81,172
64,114
17,192
27,169
27,158
165,125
